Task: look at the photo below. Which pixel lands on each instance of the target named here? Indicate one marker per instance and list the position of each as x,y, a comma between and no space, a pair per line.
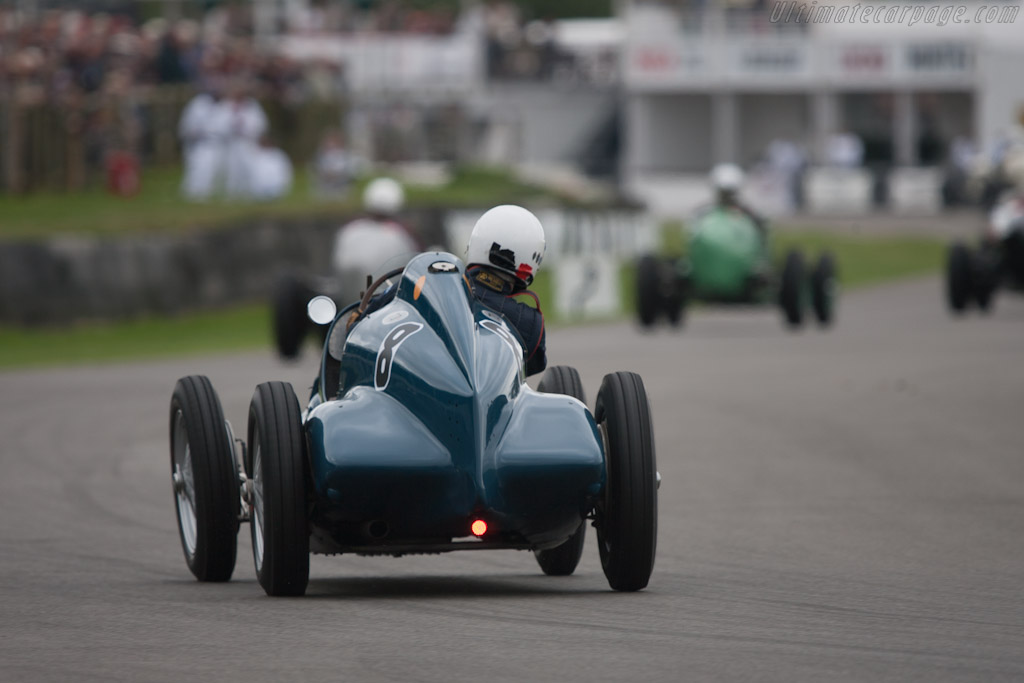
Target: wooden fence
47,145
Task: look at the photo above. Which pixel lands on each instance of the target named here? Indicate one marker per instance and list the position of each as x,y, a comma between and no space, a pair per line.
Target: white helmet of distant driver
727,177
508,238
383,196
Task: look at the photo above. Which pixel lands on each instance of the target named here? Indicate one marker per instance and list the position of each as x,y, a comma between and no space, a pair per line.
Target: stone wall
64,279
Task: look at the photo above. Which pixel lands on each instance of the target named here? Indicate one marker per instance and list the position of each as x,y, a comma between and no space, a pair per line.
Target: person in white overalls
245,123
271,173
375,243
202,134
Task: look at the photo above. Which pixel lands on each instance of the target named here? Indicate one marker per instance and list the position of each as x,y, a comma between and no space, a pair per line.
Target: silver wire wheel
205,481
184,485
256,525
277,466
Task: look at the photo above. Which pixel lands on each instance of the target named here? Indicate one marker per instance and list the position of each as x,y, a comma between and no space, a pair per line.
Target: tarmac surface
840,505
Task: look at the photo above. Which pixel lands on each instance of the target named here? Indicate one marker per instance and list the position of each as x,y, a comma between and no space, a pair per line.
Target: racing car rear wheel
959,276
823,289
627,518
276,466
985,276
791,289
676,300
648,290
205,480
290,321
562,379
562,560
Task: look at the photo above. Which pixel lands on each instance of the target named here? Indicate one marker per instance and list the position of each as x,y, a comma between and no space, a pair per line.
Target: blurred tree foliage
566,9
535,9
148,9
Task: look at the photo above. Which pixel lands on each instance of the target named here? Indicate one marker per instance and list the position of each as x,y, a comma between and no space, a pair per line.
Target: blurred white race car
974,275
363,248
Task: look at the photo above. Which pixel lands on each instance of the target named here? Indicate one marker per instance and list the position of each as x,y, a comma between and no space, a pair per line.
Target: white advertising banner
838,190
915,190
666,64
569,233
396,62
587,287
785,59
687,62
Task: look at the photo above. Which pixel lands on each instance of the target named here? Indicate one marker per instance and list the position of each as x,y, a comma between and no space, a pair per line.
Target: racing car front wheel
563,559
627,517
959,276
275,464
205,480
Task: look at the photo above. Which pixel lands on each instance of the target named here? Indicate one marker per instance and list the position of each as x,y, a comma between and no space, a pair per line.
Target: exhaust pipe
376,530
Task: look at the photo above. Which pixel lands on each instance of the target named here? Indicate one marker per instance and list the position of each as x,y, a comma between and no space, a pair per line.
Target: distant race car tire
959,277
627,518
823,289
675,303
648,290
563,559
791,289
276,466
205,480
290,321
985,276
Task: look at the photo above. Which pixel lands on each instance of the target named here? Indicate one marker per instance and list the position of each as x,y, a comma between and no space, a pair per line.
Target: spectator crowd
80,88
65,53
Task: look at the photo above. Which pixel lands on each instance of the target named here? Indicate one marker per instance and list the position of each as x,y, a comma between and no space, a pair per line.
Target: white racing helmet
727,177
510,239
383,196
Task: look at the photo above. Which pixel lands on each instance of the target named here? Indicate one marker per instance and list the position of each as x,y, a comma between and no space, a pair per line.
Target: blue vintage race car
423,437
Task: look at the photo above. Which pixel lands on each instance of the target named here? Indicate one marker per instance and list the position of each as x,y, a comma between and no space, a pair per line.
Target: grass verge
245,327
862,260
158,207
866,260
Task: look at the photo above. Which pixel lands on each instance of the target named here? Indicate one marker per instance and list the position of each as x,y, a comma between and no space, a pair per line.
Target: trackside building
908,79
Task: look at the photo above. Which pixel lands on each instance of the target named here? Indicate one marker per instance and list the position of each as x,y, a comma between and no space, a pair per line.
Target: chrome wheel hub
184,485
257,504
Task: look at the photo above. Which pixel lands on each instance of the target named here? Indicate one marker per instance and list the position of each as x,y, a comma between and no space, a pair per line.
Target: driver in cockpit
504,253
726,181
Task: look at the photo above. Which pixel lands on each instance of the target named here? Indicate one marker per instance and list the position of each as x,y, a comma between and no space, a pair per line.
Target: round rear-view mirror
321,309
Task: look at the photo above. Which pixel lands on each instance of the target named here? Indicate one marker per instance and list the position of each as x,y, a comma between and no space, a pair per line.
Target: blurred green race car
729,261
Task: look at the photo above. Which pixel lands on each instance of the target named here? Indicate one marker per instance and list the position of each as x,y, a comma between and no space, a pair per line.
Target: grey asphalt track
845,505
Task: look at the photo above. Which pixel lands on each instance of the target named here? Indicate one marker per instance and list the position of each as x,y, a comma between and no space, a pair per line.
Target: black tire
959,277
290,321
985,276
563,559
205,476
562,379
791,289
627,518
983,296
648,290
675,305
276,465
823,290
